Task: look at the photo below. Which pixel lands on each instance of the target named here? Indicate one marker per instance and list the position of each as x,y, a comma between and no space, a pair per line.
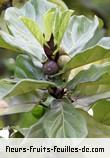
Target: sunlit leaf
34,29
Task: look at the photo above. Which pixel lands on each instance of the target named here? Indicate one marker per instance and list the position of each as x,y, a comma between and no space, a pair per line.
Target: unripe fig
50,67
38,111
63,59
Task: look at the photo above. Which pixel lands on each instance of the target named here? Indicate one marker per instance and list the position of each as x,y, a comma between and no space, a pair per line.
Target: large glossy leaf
96,129
34,29
12,101
25,68
19,103
28,85
61,121
6,42
21,37
95,53
16,97
92,74
98,35
79,32
96,87
64,121
36,131
89,92
87,101
101,111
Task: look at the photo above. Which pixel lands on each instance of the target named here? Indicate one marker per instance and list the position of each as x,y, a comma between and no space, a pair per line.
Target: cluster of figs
53,64
56,61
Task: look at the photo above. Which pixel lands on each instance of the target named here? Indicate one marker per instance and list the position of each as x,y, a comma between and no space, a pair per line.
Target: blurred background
89,8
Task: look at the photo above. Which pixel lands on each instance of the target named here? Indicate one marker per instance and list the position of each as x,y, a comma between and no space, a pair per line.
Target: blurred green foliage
92,7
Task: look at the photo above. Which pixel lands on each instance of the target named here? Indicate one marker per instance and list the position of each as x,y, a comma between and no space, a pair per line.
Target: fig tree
50,67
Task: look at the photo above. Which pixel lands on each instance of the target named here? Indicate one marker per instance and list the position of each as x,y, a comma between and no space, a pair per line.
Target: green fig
63,59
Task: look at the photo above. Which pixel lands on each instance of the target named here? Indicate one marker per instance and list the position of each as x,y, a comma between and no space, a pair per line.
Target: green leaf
79,32
88,93
19,103
85,102
36,131
101,111
54,23
26,120
21,45
95,129
34,29
28,85
25,68
16,97
42,6
96,53
62,121
21,37
61,24
4,42
89,75
49,18
98,35
96,87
